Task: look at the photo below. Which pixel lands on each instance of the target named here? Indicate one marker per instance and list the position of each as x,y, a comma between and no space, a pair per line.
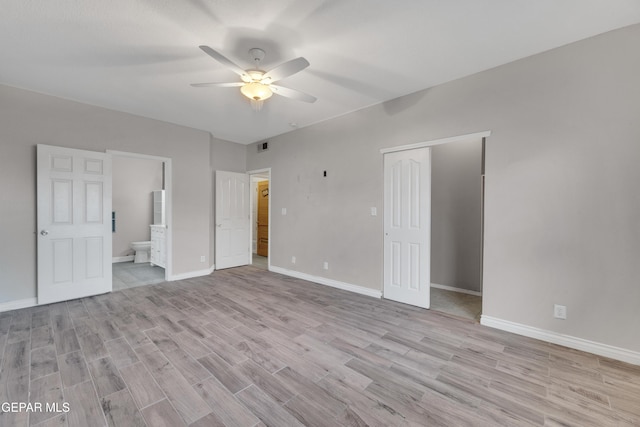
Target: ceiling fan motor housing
256,75
257,54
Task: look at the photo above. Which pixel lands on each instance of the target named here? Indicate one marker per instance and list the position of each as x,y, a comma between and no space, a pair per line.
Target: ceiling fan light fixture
257,84
256,91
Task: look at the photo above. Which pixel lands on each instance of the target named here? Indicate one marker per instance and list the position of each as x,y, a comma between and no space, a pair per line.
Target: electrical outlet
326,265
293,260
374,211
284,211
559,311
202,258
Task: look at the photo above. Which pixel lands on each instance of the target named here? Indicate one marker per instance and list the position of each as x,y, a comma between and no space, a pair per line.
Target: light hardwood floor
246,347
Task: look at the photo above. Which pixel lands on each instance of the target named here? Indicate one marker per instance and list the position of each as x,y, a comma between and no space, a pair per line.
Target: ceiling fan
256,84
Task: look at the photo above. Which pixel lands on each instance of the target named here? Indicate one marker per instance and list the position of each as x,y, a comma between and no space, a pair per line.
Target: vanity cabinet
158,255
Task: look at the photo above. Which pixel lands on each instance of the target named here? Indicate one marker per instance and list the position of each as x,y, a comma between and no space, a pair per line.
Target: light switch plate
560,311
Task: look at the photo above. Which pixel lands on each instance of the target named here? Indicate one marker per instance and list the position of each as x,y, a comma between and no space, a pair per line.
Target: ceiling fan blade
227,62
293,94
285,70
233,84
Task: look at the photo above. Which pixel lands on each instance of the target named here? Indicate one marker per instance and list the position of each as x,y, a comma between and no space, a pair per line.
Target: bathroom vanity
158,255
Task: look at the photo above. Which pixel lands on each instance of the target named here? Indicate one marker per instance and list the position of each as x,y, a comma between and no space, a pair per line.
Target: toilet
142,251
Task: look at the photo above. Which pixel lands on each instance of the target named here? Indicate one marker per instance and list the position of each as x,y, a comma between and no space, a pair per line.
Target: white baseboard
328,282
565,340
18,304
192,274
454,289
127,258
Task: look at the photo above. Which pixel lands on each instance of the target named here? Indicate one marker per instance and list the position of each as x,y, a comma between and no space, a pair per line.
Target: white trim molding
454,289
328,282
136,155
18,304
476,135
600,349
191,274
117,259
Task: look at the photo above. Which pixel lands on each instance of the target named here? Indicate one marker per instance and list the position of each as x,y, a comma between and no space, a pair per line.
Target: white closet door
407,226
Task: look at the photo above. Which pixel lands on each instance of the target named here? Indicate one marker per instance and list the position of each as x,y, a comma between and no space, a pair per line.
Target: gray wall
28,118
228,156
133,181
562,205
456,183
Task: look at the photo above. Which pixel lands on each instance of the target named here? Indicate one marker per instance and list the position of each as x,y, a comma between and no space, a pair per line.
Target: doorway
140,219
455,235
260,218
456,228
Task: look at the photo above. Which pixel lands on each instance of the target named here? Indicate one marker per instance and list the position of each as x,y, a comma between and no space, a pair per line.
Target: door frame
263,171
168,195
477,135
440,141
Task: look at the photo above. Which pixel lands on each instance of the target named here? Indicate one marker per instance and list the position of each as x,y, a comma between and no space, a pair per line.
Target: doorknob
218,225
44,232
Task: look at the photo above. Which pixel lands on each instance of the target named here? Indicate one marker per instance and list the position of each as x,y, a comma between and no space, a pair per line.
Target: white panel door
407,226
232,219
74,223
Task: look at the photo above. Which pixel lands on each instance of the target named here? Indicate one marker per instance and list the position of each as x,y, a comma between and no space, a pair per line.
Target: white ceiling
139,56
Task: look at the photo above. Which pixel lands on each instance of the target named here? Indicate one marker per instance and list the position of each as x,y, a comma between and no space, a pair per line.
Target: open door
407,226
74,223
262,237
232,220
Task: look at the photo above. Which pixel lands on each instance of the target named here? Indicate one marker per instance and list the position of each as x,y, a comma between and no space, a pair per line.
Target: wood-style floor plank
228,375
121,352
141,384
43,362
121,411
41,337
209,420
73,368
66,341
162,414
267,409
183,397
106,377
189,367
246,347
224,404
46,390
85,409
